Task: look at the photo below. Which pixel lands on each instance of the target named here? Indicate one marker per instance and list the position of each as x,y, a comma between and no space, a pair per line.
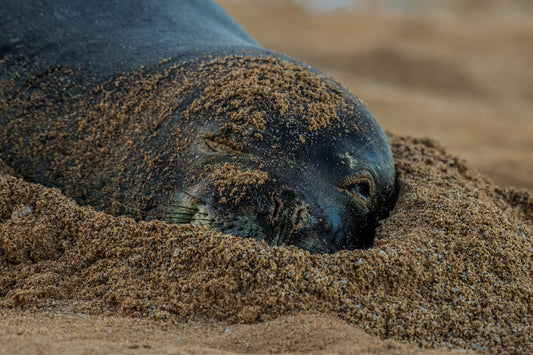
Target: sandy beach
451,268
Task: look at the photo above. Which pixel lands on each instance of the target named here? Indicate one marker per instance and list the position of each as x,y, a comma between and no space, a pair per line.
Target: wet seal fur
169,110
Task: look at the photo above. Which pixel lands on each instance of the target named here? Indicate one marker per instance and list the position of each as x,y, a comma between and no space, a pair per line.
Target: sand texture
451,267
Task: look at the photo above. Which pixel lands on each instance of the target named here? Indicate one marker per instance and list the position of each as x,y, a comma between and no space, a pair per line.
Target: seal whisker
186,208
186,193
184,215
189,213
367,144
127,207
190,221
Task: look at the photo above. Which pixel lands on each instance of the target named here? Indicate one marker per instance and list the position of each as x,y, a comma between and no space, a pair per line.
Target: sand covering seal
452,265
121,143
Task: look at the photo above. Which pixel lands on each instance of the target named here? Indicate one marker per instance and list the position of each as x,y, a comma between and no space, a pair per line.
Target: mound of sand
451,266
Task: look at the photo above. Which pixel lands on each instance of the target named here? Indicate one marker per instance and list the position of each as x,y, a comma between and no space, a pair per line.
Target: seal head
312,170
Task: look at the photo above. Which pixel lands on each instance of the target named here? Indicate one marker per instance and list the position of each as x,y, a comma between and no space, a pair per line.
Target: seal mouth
279,216
187,208
281,213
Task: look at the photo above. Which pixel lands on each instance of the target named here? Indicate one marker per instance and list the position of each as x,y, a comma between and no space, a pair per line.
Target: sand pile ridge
450,266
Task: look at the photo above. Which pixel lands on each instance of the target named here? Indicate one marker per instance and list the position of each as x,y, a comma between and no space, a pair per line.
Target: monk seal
169,110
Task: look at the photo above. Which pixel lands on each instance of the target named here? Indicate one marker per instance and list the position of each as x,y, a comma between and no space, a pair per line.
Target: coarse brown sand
451,266
71,333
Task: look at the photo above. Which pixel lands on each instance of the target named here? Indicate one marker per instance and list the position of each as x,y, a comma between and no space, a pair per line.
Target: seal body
170,110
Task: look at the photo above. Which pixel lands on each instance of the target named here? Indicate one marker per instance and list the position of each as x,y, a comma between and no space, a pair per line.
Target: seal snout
350,209
348,228
333,217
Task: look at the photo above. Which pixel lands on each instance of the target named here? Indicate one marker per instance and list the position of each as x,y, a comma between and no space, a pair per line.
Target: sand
451,266
79,334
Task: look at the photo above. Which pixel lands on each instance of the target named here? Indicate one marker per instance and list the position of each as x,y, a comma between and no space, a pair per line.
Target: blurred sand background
458,72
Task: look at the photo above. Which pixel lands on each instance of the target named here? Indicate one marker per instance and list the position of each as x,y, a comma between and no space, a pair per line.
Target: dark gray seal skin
319,189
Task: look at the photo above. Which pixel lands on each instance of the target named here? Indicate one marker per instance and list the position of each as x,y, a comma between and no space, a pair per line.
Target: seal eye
362,188
218,143
358,187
